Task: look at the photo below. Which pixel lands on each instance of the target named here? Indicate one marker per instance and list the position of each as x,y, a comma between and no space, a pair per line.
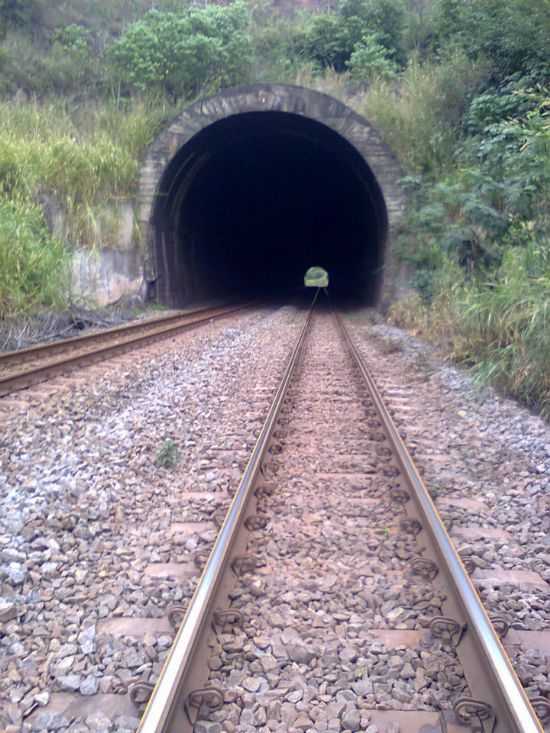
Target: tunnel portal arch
243,189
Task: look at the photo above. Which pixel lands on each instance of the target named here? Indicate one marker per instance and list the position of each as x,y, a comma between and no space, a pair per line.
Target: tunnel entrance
245,199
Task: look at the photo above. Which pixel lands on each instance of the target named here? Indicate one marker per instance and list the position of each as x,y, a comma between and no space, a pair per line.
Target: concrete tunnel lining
248,189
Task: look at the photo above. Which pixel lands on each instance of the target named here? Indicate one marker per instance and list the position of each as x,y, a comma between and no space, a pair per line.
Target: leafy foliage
487,222
33,264
168,455
514,35
75,158
364,26
185,53
370,60
421,117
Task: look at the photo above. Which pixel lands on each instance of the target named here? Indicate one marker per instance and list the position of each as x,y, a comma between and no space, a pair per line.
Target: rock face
114,268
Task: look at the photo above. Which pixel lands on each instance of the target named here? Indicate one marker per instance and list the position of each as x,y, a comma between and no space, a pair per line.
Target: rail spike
224,616
176,614
425,568
399,495
542,707
255,522
244,564
501,624
470,711
410,526
140,692
447,628
212,697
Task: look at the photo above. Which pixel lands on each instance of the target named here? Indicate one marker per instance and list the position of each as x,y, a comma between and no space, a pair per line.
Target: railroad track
333,598
27,367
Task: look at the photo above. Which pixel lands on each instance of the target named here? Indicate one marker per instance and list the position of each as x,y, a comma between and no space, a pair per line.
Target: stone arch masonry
280,98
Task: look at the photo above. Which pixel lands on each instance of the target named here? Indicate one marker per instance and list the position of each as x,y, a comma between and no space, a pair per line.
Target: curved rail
95,347
487,667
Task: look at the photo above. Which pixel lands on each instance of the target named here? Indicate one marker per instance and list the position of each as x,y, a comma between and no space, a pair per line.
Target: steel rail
22,355
167,693
22,379
8,358
512,708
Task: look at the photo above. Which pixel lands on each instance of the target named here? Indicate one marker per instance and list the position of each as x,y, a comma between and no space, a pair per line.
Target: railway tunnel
248,189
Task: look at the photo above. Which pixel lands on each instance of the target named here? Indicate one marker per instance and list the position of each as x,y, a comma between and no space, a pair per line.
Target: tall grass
33,264
78,154
419,114
499,324
82,157
504,326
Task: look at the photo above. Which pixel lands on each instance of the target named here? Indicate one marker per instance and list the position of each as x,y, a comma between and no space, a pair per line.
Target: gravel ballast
94,529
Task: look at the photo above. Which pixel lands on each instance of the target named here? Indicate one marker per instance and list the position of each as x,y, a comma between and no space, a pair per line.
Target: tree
386,18
185,53
329,40
513,35
371,59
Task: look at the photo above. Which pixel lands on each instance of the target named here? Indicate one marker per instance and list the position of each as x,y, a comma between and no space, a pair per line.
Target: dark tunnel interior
252,201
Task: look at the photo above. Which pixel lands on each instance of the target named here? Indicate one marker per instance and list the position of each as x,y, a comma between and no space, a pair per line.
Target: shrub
185,53
514,35
420,115
330,39
370,60
33,264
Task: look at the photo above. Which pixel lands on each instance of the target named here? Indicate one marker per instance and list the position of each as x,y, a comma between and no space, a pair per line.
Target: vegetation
33,264
460,91
56,158
167,456
182,54
477,233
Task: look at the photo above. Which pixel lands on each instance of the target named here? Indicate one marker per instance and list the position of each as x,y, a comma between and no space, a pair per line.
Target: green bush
168,455
330,39
478,239
183,54
421,114
371,60
514,35
33,265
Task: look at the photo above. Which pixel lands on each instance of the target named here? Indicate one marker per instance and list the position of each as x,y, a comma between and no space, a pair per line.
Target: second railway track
27,367
333,599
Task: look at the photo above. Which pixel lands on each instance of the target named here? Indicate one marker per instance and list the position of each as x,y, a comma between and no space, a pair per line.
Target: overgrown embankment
469,118
57,157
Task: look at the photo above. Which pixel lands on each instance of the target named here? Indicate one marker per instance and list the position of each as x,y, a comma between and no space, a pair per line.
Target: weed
33,265
72,159
167,456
